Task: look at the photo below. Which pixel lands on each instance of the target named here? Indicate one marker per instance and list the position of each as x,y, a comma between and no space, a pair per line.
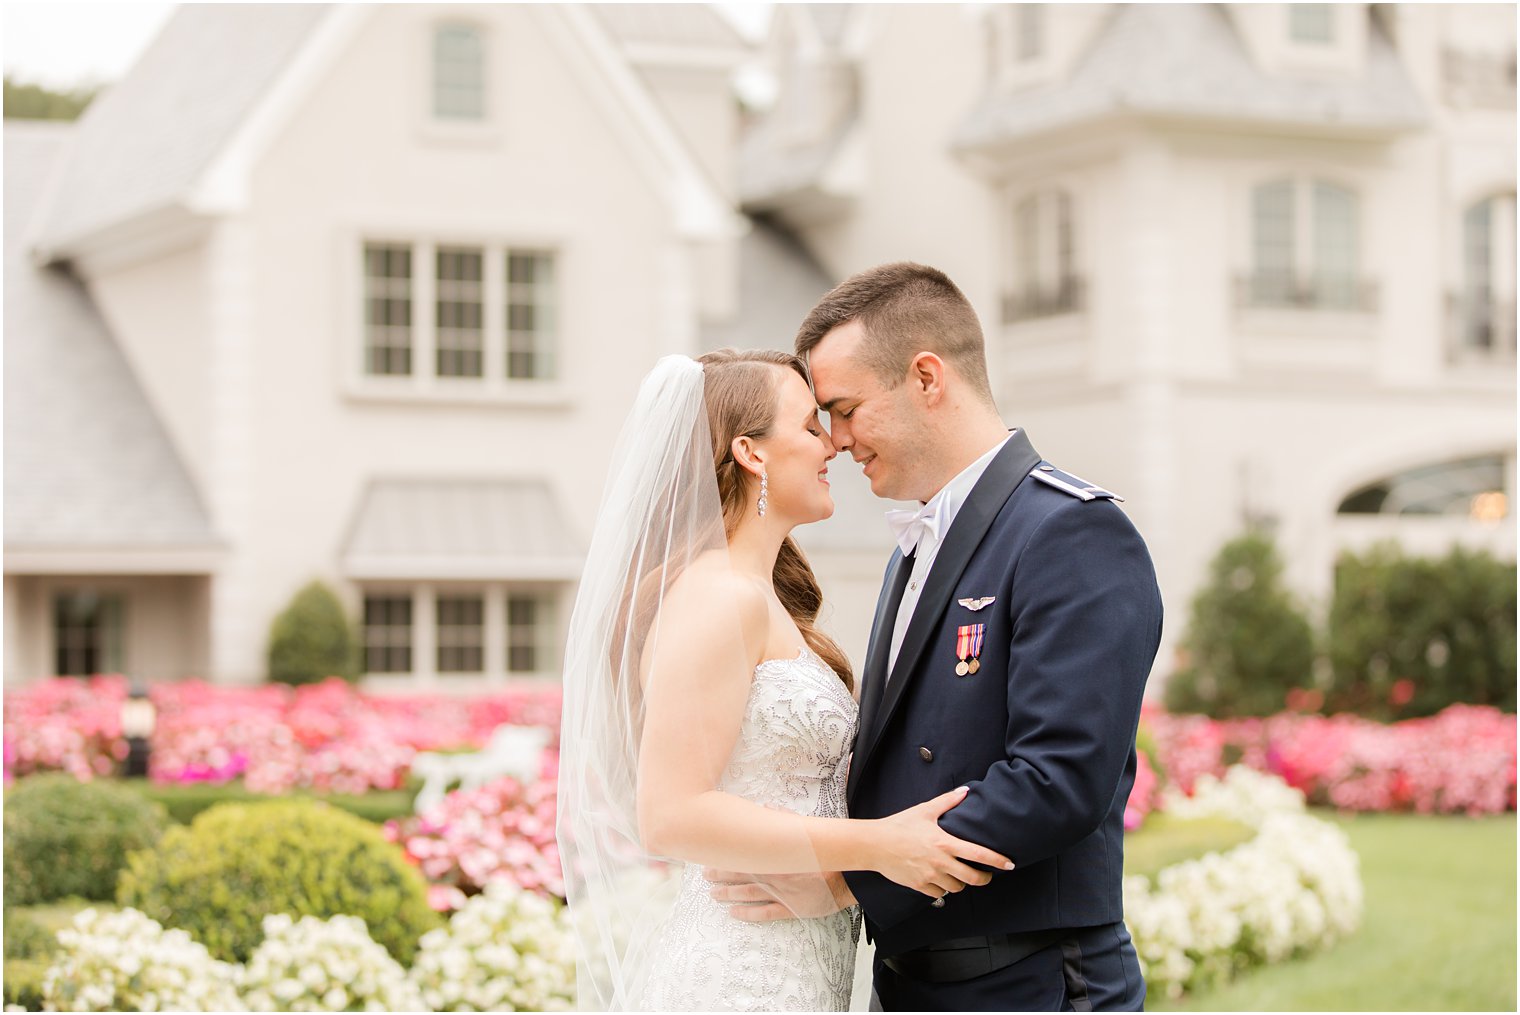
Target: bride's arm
712,631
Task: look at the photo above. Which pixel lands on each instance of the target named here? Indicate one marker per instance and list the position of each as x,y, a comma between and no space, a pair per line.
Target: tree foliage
25,101
1247,643
1411,635
312,639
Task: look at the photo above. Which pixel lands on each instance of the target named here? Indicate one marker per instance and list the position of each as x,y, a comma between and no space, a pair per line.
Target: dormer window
1029,32
1310,23
1019,44
459,78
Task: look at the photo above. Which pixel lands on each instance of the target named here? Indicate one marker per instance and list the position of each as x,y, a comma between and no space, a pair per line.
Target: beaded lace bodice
798,729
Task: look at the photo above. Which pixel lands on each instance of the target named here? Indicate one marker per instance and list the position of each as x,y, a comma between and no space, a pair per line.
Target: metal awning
460,529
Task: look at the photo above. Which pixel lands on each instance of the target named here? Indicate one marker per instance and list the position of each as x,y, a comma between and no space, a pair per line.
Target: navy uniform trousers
1094,969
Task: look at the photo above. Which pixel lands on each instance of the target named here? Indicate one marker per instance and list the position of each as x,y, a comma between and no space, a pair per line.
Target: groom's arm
1086,623
1086,619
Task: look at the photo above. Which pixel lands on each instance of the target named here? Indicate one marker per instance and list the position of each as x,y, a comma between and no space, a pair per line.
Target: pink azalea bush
1145,794
502,831
72,726
1461,760
326,737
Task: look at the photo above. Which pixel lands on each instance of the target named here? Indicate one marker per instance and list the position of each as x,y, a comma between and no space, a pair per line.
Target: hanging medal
968,644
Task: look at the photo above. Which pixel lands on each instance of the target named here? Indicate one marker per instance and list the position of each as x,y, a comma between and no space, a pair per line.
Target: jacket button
926,754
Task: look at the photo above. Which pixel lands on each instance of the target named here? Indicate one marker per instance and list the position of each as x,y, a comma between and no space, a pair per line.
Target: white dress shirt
949,501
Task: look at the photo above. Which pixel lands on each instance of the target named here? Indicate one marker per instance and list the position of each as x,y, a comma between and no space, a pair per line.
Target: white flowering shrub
312,964
1294,888
124,961
1244,795
504,950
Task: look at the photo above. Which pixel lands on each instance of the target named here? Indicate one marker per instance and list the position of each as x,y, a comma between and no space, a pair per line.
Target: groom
1012,640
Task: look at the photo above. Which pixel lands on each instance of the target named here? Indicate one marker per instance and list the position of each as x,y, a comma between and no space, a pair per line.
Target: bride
708,722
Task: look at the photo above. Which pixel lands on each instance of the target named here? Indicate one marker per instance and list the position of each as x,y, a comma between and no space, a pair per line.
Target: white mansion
363,292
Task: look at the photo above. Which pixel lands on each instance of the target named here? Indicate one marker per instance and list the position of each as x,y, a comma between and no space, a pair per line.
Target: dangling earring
764,491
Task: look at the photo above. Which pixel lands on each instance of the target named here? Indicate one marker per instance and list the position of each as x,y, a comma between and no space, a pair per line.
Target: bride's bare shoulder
710,587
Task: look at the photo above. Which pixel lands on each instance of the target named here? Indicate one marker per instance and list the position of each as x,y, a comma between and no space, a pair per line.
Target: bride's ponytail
798,590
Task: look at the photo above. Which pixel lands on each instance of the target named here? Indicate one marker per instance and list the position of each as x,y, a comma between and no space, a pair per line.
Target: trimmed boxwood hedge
237,863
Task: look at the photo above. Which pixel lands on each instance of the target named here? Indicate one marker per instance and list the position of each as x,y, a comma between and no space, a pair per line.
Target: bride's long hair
740,396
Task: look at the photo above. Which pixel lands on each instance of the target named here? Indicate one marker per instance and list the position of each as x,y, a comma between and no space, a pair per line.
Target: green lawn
1438,933
1165,840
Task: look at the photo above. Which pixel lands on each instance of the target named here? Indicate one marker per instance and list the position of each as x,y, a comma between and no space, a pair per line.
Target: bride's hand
915,852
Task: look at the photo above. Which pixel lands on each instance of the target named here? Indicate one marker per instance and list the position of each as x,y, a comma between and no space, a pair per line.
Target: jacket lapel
875,674
1003,475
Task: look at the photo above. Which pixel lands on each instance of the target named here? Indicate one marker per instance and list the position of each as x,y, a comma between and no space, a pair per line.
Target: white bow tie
909,526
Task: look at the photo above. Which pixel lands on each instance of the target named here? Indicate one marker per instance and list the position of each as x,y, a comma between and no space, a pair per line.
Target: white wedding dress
799,726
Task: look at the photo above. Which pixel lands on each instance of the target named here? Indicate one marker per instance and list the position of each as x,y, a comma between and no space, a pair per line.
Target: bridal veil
660,511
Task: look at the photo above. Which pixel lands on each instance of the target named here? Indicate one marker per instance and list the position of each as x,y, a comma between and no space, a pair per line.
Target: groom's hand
762,898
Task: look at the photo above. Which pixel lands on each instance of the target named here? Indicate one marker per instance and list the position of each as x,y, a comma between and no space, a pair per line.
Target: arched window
1473,487
459,72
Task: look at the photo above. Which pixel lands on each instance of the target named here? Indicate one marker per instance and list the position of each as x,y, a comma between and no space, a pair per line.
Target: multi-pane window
530,314
1044,258
1309,23
1334,270
459,85
387,308
461,634
1487,303
1305,237
88,633
388,634
494,312
529,627
500,630
1272,242
460,302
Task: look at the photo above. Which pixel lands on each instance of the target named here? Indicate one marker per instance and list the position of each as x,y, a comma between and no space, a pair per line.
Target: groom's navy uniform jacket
1043,732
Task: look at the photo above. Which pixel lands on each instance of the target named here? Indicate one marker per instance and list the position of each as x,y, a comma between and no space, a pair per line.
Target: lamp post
138,718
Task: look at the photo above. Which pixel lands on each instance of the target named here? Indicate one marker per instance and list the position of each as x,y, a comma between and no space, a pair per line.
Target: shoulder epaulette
1067,483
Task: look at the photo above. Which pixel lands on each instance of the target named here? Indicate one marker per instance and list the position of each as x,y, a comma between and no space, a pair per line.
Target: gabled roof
88,464
1186,60
179,132
143,144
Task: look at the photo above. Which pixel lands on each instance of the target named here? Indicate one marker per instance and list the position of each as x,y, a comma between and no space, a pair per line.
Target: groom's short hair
904,309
